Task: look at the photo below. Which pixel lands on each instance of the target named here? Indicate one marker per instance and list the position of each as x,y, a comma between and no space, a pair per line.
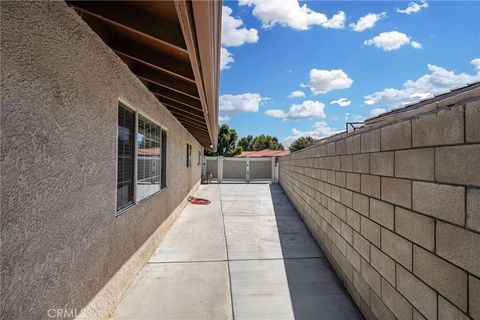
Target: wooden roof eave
208,24
177,57
194,19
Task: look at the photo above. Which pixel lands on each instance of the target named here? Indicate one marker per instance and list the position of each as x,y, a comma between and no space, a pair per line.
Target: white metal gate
239,169
210,164
235,169
261,169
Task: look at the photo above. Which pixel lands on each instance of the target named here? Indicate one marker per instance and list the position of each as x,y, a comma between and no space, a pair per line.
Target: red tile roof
149,152
264,153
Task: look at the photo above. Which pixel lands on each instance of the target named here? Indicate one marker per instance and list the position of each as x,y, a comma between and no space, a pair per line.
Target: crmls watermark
63,313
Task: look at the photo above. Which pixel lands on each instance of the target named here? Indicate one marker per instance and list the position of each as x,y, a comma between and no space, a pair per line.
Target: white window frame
166,156
129,106
136,155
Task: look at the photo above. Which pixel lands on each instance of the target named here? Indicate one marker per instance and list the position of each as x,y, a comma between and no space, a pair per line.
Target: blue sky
397,53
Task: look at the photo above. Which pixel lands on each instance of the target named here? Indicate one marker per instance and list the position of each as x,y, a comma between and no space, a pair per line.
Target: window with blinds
125,157
141,157
164,159
149,143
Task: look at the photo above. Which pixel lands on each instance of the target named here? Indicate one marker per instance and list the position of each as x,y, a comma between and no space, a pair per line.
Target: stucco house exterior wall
63,246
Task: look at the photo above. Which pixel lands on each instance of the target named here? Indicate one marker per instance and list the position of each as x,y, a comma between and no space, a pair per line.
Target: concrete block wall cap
435,98
408,108
323,141
426,109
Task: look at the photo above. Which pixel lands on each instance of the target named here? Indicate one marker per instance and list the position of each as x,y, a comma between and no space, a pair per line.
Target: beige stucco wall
395,207
61,240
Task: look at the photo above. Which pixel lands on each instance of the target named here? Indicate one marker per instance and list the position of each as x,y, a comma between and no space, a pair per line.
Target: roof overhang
173,47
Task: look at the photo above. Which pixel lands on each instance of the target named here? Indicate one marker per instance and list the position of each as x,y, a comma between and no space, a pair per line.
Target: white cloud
223,118
289,13
377,111
413,7
319,130
233,34
342,102
233,104
437,81
392,40
354,117
366,22
307,109
337,21
416,45
476,63
421,95
297,94
323,81
275,113
226,58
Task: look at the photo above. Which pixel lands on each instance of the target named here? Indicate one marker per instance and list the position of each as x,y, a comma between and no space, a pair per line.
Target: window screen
148,158
164,159
125,157
189,155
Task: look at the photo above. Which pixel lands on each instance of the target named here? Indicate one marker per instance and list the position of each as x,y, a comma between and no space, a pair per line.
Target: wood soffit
173,47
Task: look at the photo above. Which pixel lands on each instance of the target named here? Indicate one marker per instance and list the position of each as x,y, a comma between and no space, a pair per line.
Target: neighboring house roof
264,153
148,151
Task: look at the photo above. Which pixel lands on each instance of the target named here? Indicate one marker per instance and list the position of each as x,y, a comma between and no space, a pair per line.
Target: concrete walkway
247,255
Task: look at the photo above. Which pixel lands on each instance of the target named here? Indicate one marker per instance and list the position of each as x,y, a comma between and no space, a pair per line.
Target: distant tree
266,142
300,143
227,143
263,141
228,147
246,143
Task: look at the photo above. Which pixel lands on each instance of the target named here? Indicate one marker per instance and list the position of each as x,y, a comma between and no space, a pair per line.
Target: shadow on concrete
315,290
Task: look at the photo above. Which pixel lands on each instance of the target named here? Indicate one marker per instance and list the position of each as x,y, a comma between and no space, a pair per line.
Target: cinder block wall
395,207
